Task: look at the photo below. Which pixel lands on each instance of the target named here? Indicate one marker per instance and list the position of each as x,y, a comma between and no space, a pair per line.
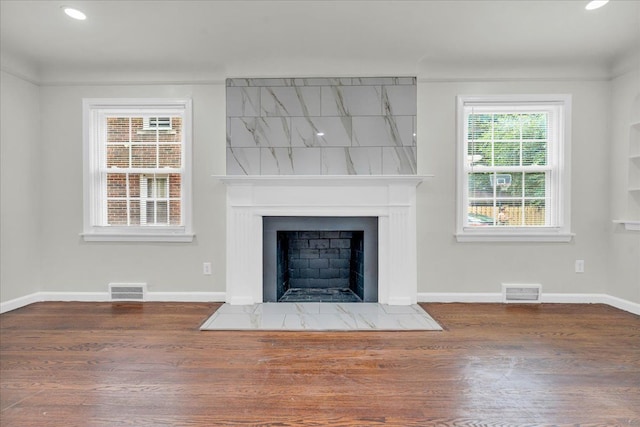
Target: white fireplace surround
390,198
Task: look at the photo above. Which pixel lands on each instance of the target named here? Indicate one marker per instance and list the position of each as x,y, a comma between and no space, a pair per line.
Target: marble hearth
392,199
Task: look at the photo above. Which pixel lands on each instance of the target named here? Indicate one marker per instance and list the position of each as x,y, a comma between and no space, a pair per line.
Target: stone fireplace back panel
320,253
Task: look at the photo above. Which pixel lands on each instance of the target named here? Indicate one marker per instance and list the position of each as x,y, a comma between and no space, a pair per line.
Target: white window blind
160,123
155,200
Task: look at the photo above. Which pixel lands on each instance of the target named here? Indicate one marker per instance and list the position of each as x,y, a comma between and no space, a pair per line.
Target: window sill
138,237
514,236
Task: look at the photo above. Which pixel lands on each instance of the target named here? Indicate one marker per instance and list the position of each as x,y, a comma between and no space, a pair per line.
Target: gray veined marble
259,82
321,317
330,126
352,161
260,132
290,101
366,160
399,100
243,101
322,81
399,161
290,161
389,81
383,131
337,161
243,161
351,100
321,131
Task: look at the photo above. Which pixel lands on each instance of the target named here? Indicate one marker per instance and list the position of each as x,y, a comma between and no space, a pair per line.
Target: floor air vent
127,291
521,293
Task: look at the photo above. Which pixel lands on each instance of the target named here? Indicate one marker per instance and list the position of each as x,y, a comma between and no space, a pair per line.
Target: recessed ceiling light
596,4
74,13
320,133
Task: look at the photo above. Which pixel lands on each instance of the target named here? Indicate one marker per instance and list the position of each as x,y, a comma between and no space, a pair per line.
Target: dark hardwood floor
103,364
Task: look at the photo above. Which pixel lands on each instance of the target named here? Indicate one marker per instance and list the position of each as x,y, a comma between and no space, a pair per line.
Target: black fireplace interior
320,259
320,265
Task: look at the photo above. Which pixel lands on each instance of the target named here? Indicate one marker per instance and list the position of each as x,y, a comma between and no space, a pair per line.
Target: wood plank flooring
131,364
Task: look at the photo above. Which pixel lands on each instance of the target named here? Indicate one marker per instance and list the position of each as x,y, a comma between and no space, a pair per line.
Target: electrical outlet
206,268
579,266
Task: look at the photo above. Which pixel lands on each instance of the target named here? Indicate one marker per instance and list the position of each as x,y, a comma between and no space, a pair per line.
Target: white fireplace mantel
390,198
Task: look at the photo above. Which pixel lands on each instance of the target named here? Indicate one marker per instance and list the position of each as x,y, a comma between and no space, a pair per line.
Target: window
513,168
137,170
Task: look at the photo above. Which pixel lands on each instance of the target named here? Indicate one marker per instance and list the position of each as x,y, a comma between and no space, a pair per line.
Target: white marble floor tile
402,309
232,321
320,317
271,322
289,308
238,309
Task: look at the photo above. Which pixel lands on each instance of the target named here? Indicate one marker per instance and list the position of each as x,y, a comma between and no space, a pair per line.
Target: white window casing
133,176
553,224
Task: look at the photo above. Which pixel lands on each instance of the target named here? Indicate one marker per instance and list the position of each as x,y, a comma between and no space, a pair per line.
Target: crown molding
17,67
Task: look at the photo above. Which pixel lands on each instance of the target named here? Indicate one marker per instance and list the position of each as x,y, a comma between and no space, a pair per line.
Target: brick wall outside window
130,145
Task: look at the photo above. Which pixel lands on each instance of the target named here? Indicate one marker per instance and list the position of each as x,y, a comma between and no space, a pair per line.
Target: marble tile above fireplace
321,126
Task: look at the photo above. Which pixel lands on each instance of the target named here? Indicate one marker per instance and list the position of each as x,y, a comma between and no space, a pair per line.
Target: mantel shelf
321,180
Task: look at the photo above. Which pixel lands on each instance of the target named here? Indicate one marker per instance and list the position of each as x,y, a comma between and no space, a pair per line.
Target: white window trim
92,191
559,233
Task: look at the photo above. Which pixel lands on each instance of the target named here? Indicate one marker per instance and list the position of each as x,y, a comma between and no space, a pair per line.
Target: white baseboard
19,302
622,304
459,297
616,302
186,296
488,297
104,297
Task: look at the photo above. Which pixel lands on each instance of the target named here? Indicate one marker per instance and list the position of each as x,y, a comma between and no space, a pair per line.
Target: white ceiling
246,38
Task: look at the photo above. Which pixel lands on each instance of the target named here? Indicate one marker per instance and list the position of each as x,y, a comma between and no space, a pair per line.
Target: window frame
558,162
96,109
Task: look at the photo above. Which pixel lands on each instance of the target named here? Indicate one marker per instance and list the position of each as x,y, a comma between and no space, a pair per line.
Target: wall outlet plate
206,268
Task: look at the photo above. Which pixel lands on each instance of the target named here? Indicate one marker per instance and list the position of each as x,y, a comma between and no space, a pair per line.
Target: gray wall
20,213
72,265
69,264
447,266
624,246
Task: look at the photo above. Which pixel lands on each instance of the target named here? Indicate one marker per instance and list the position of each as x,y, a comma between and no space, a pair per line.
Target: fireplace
320,259
390,200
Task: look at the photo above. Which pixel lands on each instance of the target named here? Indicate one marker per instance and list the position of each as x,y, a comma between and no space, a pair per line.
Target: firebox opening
320,266
320,259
